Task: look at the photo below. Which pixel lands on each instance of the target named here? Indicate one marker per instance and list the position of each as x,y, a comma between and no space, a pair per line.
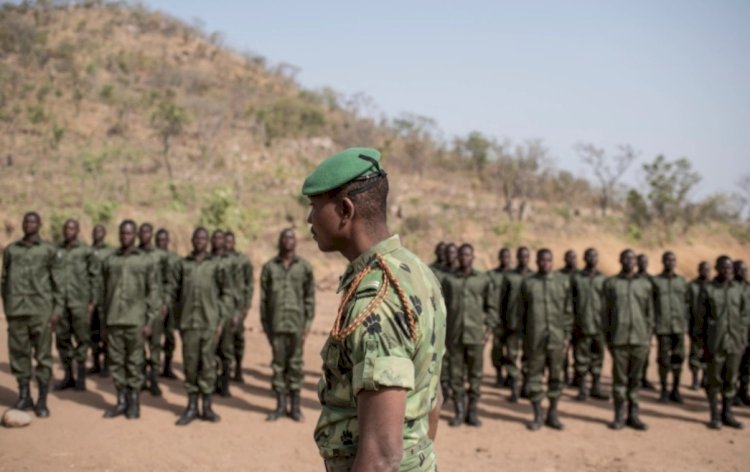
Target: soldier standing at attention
740,277
448,259
671,300
202,298
31,302
439,263
569,270
225,349
546,323
643,273
172,259
628,321
696,343
451,258
98,341
723,324
497,275
379,389
243,270
132,300
587,291
511,326
287,309
79,286
472,310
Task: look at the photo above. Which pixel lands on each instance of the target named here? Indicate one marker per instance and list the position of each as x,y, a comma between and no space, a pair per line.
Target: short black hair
722,259
588,251
369,197
503,250
147,225
229,234
128,222
162,231
217,232
466,246
625,251
542,251
522,248
30,214
200,229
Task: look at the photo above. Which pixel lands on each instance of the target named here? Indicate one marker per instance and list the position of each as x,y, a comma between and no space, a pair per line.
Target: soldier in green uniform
31,302
447,257
546,323
642,262
379,391
243,270
569,270
472,313
439,263
132,300
497,275
740,276
511,326
98,341
79,286
587,290
723,324
451,258
168,271
225,348
287,309
627,320
696,343
202,297
671,300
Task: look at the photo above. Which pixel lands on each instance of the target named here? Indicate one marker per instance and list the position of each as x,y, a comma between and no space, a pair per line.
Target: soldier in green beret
31,301
511,326
243,271
381,364
169,261
497,275
98,341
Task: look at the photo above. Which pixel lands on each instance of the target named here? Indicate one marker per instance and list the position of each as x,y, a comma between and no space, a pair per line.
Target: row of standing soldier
537,317
125,305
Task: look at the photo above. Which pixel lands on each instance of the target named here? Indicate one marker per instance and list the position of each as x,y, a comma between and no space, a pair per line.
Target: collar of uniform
518,271
668,276
589,273
133,252
548,276
623,275
279,260
34,242
461,275
75,244
101,246
384,247
191,256
147,248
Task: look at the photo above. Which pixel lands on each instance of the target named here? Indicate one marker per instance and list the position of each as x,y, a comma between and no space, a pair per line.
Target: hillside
111,111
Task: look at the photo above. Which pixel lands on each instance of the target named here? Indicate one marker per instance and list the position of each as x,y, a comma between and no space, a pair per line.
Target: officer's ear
347,210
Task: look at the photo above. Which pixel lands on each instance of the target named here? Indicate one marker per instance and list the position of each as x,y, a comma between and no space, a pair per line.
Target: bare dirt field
76,437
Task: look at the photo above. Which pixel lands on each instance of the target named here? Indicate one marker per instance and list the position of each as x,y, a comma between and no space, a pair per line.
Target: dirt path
77,438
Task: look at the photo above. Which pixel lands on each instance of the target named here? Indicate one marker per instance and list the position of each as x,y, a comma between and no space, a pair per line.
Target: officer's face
642,263
31,225
523,258
592,258
544,262
725,269
451,254
627,261
144,234
670,262
504,258
466,258
200,241
326,223
218,241
127,235
704,270
740,271
287,241
70,231
99,233
162,240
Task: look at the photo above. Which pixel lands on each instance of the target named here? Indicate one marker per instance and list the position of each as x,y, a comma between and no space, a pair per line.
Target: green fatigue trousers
287,362
170,341
420,458
238,343
722,370
73,323
445,370
125,346
225,349
512,351
98,342
671,355
199,360
497,349
154,344
644,373
696,354
552,359
589,354
467,360
27,336
627,371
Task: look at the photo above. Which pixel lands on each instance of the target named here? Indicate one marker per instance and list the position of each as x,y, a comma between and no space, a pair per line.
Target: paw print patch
372,324
347,438
417,303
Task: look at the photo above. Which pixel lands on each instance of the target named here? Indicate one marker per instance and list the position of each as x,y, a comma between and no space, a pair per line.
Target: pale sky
666,77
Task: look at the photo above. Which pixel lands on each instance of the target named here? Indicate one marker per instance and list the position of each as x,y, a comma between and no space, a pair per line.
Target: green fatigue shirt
542,305
497,277
101,252
587,291
287,296
80,275
201,294
696,285
470,306
243,271
628,316
164,272
509,316
29,283
723,317
131,289
380,353
671,301
227,265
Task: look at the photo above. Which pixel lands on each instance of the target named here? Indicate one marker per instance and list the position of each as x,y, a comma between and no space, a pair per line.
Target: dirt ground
76,437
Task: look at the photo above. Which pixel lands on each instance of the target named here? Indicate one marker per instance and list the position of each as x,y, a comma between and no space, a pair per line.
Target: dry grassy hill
111,111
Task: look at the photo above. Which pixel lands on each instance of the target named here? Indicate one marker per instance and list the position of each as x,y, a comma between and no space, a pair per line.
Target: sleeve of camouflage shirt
227,297
568,313
265,295
56,276
490,304
309,297
95,277
247,269
154,298
4,280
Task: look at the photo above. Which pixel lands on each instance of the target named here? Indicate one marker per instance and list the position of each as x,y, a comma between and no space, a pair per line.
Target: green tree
168,120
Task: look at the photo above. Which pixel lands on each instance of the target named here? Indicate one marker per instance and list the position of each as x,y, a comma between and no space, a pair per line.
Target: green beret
342,168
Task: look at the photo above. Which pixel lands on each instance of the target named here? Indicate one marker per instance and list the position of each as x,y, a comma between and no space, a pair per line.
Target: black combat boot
280,407
577,380
96,367
81,378
646,385
41,409
619,421
167,371
663,393
68,381
596,389
583,391
538,417
295,412
513,390
713,404
472,415
191,412
134,405
105,366
121,407
208,412
525,387
676,396
238,377
552,419
154,383
695,384
460,412
499,378
224,381
24,402
633,420
726,414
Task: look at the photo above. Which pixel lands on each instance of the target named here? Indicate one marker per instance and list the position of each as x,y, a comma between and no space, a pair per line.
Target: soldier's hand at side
148,330
235,322
219,328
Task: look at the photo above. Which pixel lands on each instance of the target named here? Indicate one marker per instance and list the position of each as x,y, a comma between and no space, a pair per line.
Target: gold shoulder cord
338,333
